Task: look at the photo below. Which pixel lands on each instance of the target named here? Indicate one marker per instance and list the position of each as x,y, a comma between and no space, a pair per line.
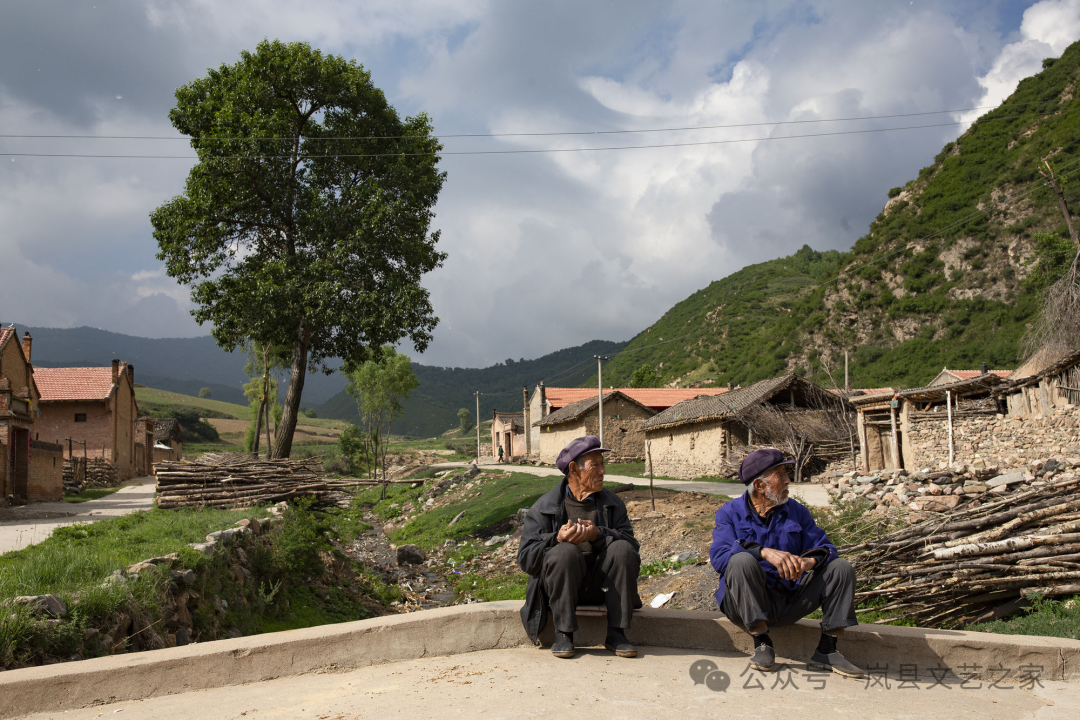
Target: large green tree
306,221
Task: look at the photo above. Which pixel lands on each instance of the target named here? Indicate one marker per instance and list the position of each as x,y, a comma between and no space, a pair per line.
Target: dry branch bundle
976,563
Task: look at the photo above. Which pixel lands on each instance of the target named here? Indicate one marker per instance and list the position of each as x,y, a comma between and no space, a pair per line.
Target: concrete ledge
483,626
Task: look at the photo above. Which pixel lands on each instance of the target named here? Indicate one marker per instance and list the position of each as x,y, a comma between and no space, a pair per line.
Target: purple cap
575,449
757,462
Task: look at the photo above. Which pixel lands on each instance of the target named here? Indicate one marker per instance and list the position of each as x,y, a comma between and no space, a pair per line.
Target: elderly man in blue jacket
777,566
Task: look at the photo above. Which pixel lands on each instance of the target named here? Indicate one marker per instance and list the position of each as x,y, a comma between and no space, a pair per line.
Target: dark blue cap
575,449
757,462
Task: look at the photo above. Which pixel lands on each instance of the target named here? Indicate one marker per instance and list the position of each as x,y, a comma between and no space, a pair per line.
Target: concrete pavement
475,660
806,493
526,682
26,525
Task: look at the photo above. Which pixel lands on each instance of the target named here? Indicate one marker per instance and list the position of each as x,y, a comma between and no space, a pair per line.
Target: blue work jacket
789,527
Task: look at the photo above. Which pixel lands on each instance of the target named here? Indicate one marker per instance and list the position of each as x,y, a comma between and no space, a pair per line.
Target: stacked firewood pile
978,563
241,483
80,473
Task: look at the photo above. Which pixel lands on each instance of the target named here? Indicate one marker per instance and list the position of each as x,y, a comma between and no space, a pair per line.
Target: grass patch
492,500
76,560
490,589
309,607
89,494
663,566
1046,617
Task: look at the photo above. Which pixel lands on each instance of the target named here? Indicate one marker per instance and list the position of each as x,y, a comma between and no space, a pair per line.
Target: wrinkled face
773,485
586,474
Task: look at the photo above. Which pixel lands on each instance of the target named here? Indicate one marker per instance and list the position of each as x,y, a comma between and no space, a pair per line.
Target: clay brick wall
46,477
57,421
125,417
622,432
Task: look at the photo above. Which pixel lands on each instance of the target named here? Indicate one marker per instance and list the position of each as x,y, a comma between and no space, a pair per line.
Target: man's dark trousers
568,583
748,600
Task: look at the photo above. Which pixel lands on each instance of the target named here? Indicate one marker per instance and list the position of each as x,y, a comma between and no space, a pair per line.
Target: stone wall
992,440
689,451
554,438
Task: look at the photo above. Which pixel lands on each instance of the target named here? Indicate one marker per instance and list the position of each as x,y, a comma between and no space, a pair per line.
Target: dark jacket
790,528
542,524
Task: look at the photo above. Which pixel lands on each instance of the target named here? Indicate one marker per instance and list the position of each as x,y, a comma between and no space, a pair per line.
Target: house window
80,417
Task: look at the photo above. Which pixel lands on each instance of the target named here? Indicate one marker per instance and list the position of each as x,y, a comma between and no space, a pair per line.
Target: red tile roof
5,333
655,398
59,384
968,374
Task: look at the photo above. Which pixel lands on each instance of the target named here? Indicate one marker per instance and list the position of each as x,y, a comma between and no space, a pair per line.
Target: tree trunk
287,427
385,477
258,425
1064,208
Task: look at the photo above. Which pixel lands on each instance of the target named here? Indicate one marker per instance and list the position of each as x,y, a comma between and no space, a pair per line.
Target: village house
165,437
924,427
508,432
710,435
623,416
95,406
546,400
32,468
947,376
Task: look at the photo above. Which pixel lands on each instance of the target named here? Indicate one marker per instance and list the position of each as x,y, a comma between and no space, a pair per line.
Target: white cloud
1047,29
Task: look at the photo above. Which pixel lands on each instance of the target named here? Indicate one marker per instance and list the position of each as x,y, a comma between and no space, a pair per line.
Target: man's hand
790,567
578,532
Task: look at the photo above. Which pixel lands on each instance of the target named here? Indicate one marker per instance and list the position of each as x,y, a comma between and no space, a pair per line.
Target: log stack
182,484
80,473
976,564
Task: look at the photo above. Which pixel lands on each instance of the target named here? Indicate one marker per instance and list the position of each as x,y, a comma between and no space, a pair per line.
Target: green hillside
939,280
432,408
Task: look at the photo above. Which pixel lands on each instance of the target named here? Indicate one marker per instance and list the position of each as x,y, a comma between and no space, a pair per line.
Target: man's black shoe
617,643
835,662
764,658
563,647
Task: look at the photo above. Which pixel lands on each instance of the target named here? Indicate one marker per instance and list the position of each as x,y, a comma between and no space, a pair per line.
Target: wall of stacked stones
992,440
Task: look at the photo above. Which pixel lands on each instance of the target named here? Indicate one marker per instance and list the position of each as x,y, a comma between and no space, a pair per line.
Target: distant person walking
500,453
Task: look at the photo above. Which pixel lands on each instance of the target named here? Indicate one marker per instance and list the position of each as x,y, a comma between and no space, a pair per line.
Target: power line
481,152
528,134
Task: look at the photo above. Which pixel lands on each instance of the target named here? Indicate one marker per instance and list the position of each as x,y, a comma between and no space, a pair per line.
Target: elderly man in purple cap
578,547
777,566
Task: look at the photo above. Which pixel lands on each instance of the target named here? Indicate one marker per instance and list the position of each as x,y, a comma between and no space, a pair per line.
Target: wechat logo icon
705,672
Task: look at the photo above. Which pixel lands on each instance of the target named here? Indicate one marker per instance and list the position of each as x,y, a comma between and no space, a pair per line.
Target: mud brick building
710,435
981,422
28,468
163,435
508,432
95,405
623,416
546,400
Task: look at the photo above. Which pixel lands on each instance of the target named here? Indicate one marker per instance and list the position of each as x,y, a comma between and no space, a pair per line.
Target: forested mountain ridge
941,278
432,408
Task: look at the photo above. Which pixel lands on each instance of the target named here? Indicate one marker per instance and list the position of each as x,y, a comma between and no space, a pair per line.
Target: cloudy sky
546,250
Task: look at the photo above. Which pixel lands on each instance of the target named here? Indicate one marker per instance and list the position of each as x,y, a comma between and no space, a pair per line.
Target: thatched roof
931,393
722,407
577,410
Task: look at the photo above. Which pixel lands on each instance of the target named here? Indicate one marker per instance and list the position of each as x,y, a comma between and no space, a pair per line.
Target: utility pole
528,425
600,394
847,382
477,427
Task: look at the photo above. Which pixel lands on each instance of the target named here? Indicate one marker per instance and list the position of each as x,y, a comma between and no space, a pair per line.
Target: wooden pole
648,452
895,447
528,424
948,406
478,427
847,380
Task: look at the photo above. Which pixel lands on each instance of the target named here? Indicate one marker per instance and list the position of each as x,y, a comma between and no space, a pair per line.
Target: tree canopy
306,221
